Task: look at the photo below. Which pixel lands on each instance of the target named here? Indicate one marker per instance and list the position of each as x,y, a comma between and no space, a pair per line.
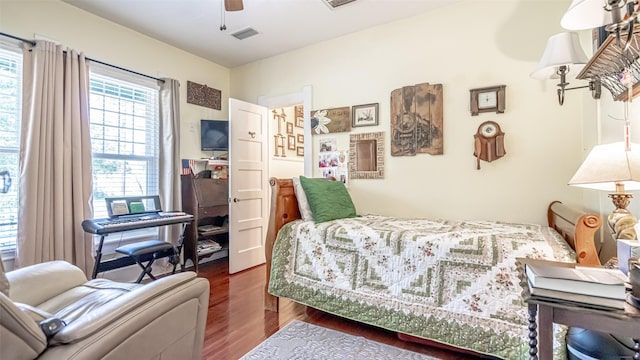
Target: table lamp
613,167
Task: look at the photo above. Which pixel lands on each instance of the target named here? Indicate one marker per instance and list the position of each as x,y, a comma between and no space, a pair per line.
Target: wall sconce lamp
616,16
615,168
563,59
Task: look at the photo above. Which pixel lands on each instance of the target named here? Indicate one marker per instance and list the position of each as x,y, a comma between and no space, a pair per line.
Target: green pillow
329,200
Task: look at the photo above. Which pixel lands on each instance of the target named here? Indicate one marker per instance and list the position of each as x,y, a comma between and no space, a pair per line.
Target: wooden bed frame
577,228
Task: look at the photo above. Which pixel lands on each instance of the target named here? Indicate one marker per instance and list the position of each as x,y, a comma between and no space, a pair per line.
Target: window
10,119
124,136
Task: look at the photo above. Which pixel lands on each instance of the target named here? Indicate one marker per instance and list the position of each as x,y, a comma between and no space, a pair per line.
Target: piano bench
149,251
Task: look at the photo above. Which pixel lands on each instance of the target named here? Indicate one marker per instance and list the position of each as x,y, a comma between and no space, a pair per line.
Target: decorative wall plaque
416,120
329,121
204,96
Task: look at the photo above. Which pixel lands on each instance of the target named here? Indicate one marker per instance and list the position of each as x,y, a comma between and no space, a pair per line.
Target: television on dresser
214,135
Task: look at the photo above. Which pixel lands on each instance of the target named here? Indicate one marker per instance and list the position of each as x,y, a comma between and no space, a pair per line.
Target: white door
248,184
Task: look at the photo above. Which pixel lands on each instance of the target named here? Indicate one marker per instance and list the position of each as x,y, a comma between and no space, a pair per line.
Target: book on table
572,278
596,302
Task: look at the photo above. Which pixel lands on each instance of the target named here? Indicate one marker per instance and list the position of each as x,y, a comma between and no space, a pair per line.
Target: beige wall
469,45
465,46
111,43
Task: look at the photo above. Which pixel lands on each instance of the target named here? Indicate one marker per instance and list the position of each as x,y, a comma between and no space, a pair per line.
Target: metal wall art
204,96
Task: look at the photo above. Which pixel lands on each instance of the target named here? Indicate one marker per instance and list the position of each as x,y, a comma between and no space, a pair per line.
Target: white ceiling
283,25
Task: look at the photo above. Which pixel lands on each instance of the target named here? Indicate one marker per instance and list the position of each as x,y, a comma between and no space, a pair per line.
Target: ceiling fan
233,5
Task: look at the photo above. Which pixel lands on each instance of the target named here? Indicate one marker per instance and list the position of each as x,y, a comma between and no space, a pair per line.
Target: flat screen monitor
214,135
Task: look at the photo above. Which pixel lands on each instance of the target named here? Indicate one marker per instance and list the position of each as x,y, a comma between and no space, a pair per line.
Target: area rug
301,340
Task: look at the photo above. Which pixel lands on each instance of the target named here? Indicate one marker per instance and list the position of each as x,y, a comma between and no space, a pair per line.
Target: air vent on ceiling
335,3
244,33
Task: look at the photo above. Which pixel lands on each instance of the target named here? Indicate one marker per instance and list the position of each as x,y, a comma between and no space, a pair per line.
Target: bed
443,283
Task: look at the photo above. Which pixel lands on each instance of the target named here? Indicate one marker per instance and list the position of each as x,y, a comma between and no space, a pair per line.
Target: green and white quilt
454,282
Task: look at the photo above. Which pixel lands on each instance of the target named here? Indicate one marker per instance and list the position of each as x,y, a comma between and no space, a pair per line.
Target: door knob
252,134
235,200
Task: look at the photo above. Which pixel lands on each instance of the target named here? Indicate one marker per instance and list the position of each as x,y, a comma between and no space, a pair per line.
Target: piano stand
119,262
140,252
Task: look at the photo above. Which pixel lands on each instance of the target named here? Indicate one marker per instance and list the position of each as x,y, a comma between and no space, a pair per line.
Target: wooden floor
237,321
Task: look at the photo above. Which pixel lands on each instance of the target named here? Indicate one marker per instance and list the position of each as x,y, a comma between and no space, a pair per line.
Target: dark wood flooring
237,321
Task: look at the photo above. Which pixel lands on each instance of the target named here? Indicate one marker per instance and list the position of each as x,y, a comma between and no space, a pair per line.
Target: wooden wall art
366,155
204,96
328,121
416,120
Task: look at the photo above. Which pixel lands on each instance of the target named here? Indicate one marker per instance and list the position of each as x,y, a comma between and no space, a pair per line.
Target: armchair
104,319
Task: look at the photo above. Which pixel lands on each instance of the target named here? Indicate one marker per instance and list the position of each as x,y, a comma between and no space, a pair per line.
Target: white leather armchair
164,319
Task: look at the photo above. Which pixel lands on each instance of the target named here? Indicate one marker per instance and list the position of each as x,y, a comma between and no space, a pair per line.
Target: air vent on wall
335,3
244,33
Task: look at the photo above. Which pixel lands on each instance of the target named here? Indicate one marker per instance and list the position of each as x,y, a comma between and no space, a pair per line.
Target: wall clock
488,142
488,99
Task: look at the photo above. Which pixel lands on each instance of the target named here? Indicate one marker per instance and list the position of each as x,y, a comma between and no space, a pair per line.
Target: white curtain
169,168
55,158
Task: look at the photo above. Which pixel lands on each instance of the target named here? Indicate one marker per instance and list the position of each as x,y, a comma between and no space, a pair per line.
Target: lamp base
621,221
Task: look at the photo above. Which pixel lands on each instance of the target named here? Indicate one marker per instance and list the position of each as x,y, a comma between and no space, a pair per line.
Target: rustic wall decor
328,121
366,155
416,120
204,96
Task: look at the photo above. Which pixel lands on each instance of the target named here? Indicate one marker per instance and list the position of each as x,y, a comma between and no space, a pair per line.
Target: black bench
149,251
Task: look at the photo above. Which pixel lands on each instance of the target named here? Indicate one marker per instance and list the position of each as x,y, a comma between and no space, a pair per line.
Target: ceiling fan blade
233,5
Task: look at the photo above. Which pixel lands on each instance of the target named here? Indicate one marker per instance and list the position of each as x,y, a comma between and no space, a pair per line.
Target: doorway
289,133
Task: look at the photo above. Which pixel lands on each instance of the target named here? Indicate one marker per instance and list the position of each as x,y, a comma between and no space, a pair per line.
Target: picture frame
300,139
364,115
488,99
299,116
289,128
300,151
291,142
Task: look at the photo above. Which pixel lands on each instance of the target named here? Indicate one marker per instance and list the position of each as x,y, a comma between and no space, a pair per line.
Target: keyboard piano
106,226
125,223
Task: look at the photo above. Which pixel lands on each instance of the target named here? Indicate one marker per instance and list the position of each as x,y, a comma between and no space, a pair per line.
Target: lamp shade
586,14
608,165
562,49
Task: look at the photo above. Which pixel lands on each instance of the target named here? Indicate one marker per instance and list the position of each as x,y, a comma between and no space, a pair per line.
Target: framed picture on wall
291,142
300,139
289,128
364,115
299,116
300,151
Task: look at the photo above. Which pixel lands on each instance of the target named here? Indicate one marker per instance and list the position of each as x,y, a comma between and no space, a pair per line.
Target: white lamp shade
607,165
586,14
562,49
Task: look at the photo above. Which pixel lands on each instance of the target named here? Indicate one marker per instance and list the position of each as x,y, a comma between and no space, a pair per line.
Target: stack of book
208,247
591,286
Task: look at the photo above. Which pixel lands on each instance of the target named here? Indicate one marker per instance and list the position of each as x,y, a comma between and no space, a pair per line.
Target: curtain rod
33,43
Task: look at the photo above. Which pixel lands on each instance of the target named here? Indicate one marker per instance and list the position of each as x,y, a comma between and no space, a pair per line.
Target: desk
94,227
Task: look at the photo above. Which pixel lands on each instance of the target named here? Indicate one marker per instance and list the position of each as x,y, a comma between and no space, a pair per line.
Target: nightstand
544,312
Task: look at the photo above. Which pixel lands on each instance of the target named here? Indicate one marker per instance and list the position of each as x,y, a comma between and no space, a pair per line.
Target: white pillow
303,203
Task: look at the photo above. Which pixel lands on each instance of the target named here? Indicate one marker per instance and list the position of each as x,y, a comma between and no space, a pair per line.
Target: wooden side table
620,322
544,311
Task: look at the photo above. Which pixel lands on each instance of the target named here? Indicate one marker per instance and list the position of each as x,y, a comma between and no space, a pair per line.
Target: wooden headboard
577,228
284,208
